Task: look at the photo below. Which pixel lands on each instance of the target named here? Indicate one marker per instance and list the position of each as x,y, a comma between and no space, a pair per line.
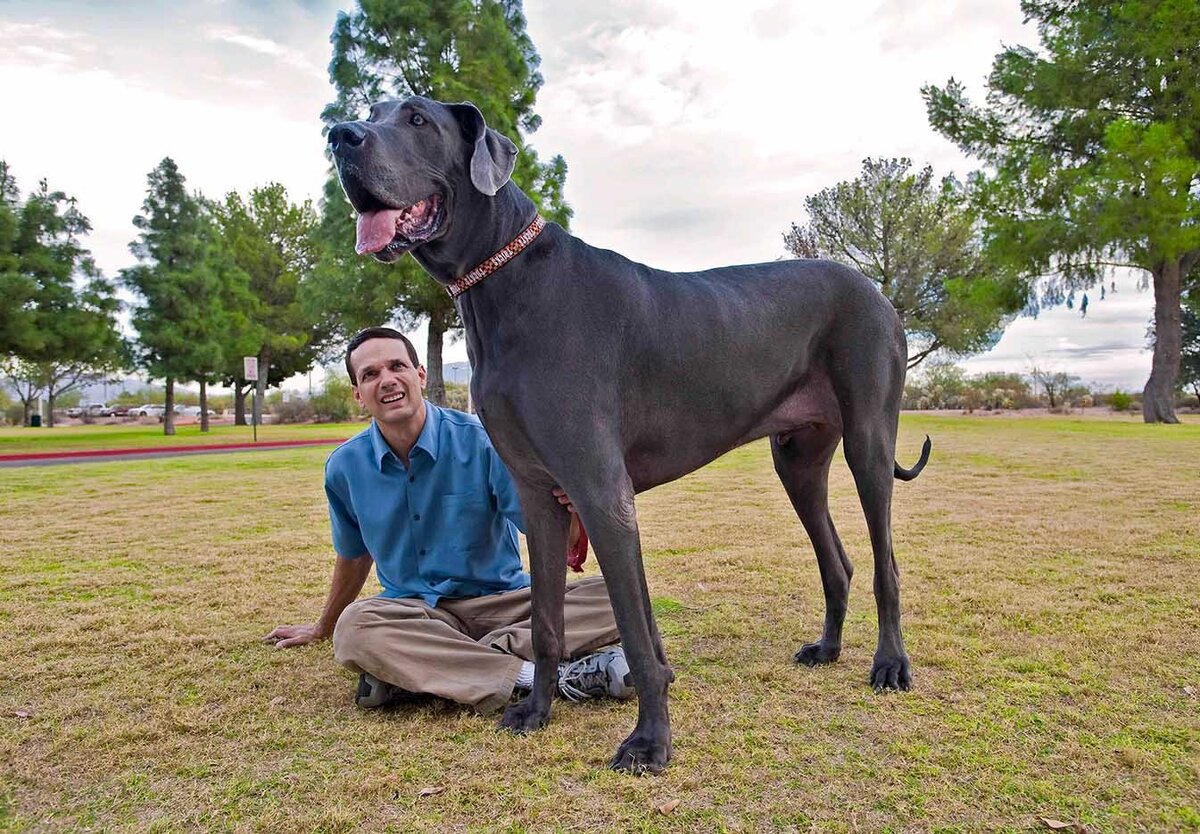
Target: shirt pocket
466,522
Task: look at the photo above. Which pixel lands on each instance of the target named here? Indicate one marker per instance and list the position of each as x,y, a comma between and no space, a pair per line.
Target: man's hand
563,498
285,637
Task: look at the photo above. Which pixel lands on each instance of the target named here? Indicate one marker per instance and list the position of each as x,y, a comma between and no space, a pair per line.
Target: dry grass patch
1048,586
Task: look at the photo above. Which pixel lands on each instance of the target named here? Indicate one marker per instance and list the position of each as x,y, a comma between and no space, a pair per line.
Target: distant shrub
335,403
456,395
293,411
14,414
1120,401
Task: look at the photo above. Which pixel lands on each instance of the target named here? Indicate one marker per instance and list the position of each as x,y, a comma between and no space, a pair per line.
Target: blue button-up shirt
444,526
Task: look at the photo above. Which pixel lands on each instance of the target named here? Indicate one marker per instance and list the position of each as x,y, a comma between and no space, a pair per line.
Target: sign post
250,372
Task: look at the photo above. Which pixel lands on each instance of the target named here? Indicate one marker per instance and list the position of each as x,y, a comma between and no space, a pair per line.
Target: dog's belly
664,455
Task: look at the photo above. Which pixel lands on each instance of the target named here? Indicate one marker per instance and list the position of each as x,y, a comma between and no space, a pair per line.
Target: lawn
1049,595
21,440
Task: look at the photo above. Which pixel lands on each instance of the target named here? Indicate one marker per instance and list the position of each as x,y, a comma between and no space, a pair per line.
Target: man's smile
388,399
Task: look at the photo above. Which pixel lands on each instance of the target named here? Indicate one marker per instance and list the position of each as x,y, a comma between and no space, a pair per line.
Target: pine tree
450,50
1092,144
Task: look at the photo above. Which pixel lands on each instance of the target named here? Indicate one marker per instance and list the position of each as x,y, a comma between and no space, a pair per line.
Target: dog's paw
524,717
640,755
891,672
816,654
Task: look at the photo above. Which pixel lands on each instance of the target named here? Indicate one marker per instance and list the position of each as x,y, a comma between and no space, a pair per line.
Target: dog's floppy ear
493,157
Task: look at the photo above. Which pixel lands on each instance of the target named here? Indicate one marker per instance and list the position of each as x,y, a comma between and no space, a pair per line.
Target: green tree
274,242
920,241
450,50
84,346
183,280
67,336
16,288
1054,384
1093,148
1189,366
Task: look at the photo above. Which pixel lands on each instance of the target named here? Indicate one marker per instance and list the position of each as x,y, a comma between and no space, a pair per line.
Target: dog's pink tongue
375,230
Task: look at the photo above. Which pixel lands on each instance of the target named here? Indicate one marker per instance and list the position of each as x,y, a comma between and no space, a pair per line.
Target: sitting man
422,494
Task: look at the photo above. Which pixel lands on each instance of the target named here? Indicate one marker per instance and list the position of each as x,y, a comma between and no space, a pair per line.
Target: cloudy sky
693,130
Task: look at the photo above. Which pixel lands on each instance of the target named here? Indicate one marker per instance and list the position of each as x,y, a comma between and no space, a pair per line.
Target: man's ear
421,375
357,396
493,156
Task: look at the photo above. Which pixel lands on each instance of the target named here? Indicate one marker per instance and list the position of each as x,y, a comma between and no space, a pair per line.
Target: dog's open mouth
389,233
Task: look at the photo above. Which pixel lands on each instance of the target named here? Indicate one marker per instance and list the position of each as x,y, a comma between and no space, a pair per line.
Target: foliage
940,384
919,240
61,334
456,395
335,403
1054,384
1093,148
449,50
17,289
190,287
1189,364
273,242
294,410
1120,401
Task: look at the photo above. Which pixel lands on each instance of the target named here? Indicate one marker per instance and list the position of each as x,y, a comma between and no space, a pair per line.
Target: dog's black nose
346,135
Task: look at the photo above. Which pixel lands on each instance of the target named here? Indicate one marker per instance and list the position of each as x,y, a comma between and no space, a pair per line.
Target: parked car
75,411
120,411
147,410
192,411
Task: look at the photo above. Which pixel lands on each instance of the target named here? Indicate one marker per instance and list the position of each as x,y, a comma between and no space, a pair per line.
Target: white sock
525,676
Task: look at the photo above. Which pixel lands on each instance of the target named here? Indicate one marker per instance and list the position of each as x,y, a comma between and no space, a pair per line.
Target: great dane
605,377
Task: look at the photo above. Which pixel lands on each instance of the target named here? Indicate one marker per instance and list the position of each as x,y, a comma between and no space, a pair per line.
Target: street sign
250,368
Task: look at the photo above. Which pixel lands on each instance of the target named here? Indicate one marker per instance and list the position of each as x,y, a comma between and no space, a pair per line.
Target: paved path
96,455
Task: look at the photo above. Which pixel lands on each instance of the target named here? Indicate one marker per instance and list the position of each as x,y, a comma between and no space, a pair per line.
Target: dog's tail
908,474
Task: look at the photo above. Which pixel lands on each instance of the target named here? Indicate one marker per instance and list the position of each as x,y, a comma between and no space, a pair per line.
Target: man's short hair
378,333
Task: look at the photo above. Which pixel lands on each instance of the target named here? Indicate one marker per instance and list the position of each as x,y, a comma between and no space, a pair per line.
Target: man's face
388,385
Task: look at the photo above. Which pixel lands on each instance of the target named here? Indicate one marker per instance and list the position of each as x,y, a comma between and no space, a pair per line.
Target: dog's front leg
610,518
546,527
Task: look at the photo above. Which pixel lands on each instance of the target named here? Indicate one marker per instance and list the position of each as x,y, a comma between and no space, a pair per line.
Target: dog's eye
417,119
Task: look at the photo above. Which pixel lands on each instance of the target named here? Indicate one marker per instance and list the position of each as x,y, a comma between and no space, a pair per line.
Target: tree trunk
435,382
239,402
203,406
1158,398
169,411
50,413
260,387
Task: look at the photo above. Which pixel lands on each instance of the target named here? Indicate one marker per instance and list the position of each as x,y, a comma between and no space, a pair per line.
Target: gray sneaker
374,693
602,674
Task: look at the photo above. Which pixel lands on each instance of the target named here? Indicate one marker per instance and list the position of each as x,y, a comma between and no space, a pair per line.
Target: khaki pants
466,650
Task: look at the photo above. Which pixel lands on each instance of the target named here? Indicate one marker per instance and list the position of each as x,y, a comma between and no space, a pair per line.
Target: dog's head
405,166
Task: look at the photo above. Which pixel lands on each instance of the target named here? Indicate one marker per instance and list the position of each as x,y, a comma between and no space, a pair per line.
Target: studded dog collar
510,251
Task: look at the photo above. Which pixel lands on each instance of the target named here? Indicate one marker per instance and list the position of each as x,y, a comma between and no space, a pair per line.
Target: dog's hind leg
870,447
802,459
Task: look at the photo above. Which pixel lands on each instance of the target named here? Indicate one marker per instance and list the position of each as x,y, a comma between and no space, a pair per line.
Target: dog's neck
497,220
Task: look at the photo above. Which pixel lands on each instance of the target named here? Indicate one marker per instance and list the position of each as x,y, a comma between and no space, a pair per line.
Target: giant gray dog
607,378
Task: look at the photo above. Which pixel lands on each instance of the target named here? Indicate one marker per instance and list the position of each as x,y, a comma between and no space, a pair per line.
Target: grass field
22,440
1050,608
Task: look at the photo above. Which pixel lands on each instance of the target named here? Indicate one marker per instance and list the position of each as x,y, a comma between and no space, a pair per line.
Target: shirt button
417,517
412,479
422,551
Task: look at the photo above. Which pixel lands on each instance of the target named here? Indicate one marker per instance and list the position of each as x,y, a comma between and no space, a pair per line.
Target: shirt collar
426,441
